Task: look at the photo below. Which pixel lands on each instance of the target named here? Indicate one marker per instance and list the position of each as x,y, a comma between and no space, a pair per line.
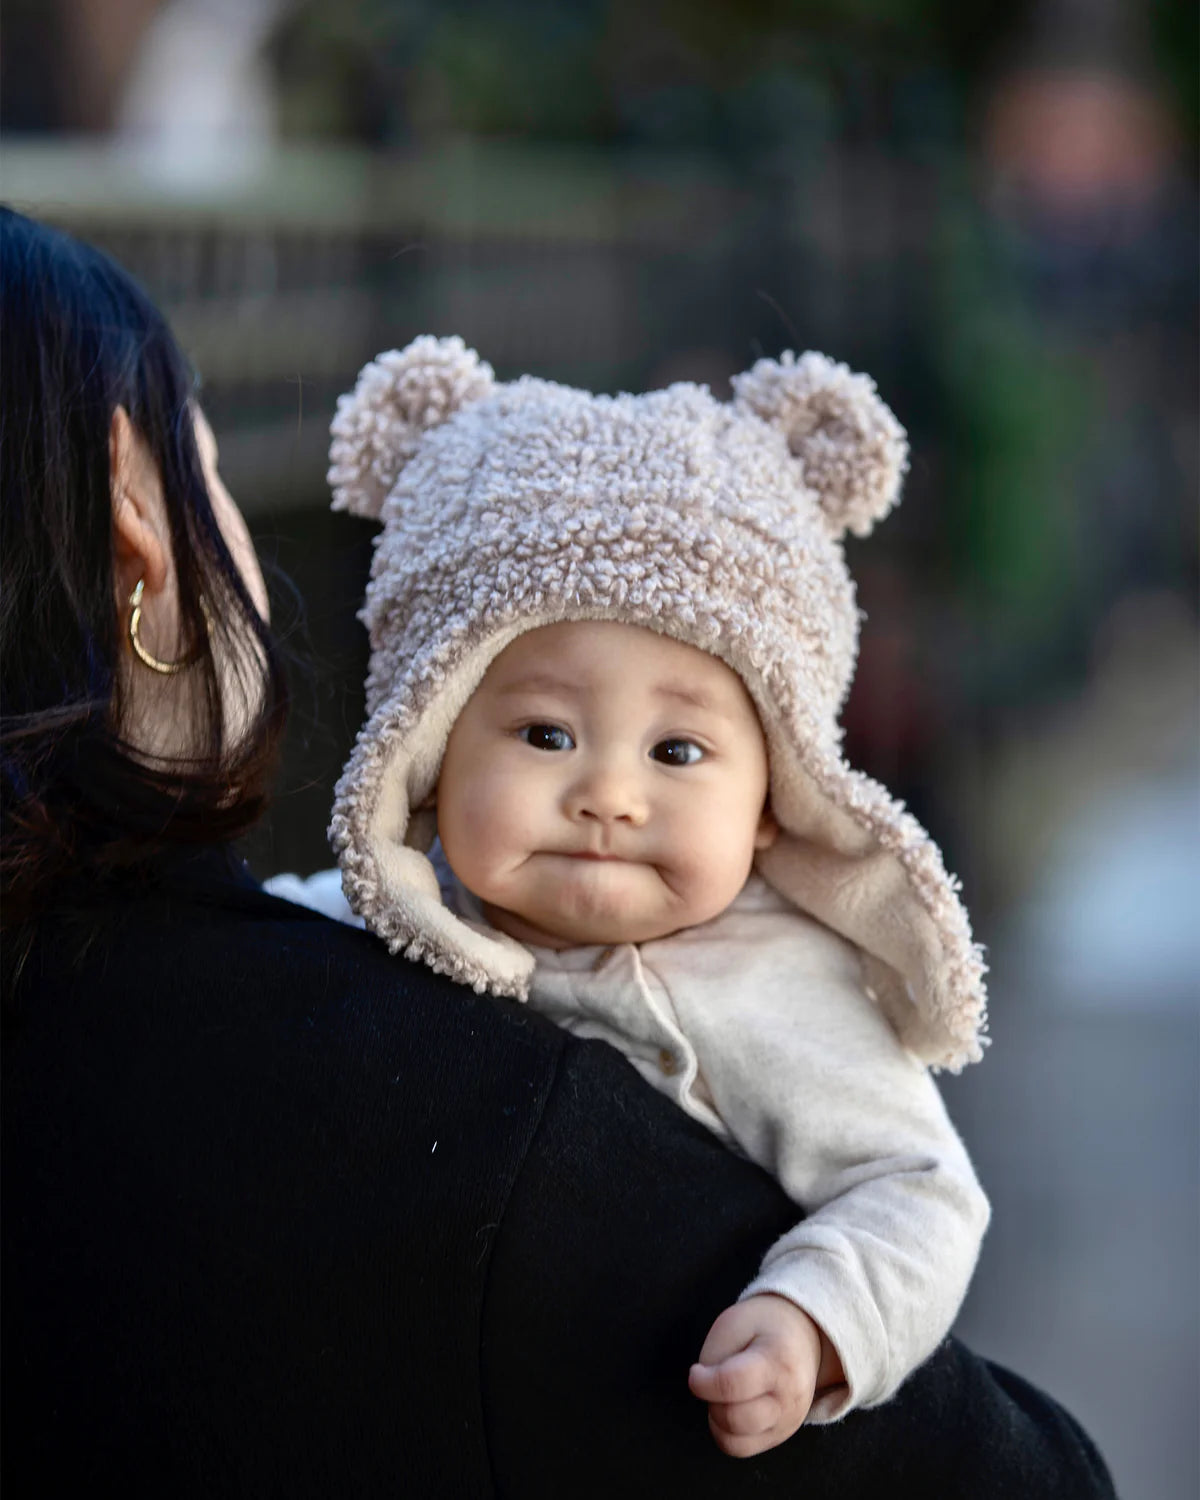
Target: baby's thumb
732,1332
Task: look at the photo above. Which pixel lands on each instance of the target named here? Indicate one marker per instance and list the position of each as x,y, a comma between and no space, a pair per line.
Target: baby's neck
527,932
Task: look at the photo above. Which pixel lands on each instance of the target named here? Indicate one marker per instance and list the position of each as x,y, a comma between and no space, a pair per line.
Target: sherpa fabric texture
506,507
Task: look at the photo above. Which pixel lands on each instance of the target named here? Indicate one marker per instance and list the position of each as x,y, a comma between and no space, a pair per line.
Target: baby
610,637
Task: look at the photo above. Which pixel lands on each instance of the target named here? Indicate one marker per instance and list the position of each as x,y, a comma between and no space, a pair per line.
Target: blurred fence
574,263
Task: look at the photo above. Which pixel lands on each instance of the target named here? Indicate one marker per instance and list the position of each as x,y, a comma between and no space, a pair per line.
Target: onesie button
666,1061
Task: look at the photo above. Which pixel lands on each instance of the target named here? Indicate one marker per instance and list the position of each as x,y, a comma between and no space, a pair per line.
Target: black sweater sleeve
286,1216
252,1169
627,1231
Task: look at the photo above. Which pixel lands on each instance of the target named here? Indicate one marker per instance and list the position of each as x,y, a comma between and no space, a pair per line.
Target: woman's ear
768,829
141,534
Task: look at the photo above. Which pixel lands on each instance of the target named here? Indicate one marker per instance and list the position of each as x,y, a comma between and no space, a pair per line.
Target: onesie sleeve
813,1084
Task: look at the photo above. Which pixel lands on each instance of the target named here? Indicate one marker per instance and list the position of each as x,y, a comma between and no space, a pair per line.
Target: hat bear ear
396,399
853,450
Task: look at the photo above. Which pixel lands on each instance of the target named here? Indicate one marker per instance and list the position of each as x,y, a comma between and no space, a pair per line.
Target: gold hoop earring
167,668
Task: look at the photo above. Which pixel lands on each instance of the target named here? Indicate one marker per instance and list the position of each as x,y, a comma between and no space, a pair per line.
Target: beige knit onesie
759,1025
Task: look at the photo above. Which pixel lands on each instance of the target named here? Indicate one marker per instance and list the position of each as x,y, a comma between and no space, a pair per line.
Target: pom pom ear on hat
397,398
853,450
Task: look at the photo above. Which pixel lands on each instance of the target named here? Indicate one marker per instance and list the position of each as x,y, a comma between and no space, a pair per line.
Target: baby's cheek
464,837
713,870
492,837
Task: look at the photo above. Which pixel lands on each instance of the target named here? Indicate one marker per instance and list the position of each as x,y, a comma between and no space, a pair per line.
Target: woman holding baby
286,1213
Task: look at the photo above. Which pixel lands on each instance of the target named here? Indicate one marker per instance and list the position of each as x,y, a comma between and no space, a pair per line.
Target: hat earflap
853,450
396,399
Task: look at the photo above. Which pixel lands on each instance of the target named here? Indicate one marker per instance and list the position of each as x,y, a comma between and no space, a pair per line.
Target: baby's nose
605,796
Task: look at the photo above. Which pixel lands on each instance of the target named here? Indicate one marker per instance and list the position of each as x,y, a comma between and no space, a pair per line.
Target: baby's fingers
744,1444
745,1418
741,1377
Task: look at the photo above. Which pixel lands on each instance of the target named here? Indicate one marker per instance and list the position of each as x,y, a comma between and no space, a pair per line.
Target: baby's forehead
579,656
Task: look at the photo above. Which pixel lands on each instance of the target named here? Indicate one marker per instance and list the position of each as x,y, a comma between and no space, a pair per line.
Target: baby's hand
758,1371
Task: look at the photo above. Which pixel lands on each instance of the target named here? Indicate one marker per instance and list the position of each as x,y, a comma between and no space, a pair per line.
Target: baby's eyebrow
538,682
548,682
691,697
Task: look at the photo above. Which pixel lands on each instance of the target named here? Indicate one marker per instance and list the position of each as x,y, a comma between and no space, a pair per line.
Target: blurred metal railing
281,280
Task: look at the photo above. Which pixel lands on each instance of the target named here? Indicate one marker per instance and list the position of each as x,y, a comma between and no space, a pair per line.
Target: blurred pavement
1083,1124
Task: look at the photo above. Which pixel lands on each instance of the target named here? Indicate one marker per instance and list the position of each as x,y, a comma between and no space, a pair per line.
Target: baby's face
604,784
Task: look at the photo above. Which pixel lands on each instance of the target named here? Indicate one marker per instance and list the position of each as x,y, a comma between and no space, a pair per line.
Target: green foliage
665,71
1175,28
1017,404
528,69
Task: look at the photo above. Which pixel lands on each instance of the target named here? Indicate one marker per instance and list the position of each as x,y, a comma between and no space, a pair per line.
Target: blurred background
992,208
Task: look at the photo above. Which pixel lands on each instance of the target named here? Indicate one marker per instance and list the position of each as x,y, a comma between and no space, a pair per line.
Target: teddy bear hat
506,507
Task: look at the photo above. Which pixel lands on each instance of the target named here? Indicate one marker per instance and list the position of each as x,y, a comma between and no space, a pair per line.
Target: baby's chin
583,904
553,927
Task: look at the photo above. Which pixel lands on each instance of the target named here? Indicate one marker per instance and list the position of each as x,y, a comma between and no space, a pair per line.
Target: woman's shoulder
195,959
239,1138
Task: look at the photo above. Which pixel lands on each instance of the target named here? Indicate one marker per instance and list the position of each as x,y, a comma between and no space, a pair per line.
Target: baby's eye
677,752
546,737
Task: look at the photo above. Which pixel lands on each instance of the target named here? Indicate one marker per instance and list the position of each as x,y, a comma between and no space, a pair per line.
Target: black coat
284,1215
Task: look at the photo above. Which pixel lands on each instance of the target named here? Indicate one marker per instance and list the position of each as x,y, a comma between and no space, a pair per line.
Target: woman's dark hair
80,803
